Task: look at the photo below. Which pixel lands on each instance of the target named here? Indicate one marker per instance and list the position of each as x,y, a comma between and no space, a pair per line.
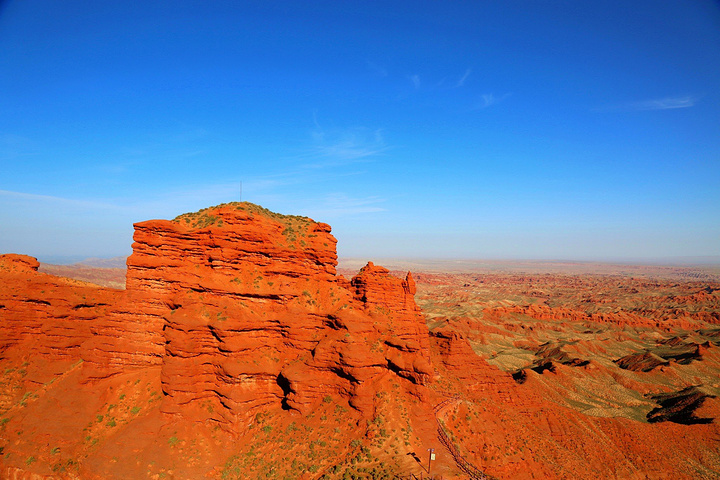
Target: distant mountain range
112,262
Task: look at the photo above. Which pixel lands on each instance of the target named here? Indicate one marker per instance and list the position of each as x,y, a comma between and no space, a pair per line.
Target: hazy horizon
710,261
494,130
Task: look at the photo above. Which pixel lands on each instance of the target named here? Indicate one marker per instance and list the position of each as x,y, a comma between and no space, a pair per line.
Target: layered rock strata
240,307
48,318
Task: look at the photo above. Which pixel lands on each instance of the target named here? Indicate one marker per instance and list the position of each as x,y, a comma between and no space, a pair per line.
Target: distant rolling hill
106,272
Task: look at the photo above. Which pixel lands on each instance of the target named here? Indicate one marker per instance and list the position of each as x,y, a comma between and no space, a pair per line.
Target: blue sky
501,129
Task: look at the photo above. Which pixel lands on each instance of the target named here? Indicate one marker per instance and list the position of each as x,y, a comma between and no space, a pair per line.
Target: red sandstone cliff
240,307
46,318
253,314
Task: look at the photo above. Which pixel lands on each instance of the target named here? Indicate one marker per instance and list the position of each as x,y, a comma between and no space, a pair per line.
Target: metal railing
463,464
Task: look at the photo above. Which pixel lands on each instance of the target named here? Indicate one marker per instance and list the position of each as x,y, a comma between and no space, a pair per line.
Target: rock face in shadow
548,355
640,362
673,349
679,407
240,307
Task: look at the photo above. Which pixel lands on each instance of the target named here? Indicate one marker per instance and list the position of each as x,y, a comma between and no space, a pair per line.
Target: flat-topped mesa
253,314
231,248
223,255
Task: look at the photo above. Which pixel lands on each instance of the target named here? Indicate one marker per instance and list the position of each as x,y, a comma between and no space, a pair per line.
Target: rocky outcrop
252,314
46,317
473,371
679,407
385,296
12,262
378,290
237,248
239,306
234,313
673,349
548,355
636,318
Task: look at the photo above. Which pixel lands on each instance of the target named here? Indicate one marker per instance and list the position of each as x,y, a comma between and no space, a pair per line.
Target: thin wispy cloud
340,205
489,99
461,81
328,158
279,191
415,79
342,146
53,200
665,103
345,151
